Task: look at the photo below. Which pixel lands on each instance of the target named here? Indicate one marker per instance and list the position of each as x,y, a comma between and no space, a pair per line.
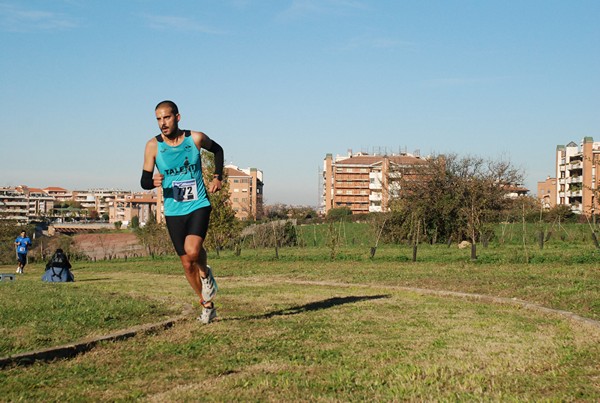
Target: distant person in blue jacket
22,243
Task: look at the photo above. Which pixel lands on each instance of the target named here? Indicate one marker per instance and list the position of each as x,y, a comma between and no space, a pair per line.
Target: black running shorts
22,258
194,223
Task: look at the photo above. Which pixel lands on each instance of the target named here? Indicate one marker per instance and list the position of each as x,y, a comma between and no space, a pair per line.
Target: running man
22,244
176,155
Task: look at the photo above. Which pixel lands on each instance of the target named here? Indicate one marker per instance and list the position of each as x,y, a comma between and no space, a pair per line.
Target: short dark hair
170,104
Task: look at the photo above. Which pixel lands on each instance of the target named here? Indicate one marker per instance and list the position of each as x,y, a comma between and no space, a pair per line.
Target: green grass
304,328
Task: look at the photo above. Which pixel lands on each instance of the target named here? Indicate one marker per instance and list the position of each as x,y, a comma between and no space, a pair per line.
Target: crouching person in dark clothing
58,268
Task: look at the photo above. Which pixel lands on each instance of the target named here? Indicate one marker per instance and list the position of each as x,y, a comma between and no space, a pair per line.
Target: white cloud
19,19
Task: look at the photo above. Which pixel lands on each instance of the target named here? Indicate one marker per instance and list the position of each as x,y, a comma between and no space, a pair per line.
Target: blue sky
281,83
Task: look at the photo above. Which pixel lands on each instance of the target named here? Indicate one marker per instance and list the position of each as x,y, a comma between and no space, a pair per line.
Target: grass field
304,328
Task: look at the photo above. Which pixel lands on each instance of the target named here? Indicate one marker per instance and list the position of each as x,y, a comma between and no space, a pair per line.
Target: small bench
7,276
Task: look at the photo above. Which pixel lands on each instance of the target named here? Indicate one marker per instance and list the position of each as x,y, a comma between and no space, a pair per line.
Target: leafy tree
560,213
339,213
454,197
277,211
135,222
224,226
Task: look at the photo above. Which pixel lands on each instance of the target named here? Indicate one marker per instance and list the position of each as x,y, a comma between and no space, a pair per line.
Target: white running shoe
18,269
207,315
209,286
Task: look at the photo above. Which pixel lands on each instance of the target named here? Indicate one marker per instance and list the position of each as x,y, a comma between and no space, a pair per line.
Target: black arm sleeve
217,150
146,181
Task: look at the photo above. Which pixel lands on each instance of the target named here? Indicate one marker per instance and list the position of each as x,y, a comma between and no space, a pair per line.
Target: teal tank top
183,186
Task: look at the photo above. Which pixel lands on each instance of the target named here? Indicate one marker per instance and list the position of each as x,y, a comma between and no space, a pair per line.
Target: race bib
185,191
21,249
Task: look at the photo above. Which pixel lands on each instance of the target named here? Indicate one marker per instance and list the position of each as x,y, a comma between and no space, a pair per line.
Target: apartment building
59,194
40,203
576,180
124,206
98,199
24,204
245,192
364,183
13,205
546,193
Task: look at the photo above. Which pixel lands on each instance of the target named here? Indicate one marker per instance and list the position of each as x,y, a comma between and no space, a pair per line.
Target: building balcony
576,193
375,197
577,208
562,181
14,203
14,211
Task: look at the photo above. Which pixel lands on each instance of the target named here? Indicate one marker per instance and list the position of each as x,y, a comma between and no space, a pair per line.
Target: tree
454,197
223,226
154,237
339,213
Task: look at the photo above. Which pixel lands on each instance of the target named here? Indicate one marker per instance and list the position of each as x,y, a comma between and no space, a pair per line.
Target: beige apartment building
59,194
13,205
245,192
362,182
576,177
25,204
546,193
123,207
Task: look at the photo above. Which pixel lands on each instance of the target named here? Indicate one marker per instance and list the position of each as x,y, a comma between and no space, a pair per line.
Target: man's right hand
158,178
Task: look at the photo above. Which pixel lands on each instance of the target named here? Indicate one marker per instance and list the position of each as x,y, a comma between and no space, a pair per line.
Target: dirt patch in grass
112,245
